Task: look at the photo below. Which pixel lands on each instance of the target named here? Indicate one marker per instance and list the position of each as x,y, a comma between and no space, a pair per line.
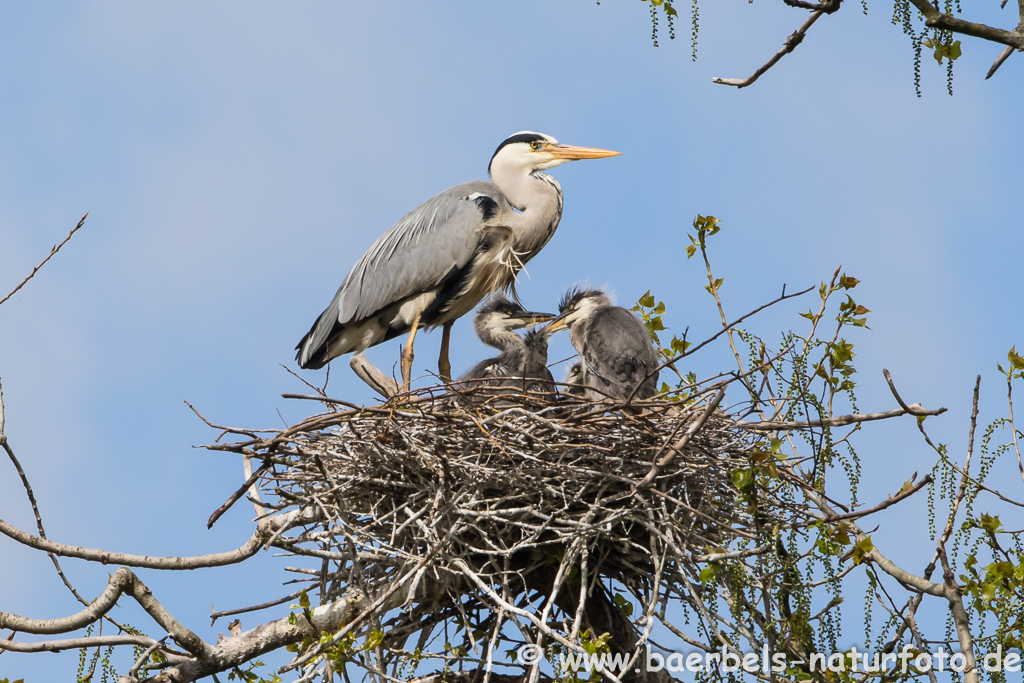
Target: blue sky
236,159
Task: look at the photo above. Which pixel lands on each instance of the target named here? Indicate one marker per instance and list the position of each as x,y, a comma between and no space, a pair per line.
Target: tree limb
841,420
75,643
1003,56
266,531
792,41
936,19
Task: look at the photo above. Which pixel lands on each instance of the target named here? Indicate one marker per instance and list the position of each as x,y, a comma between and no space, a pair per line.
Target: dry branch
792,41
35,270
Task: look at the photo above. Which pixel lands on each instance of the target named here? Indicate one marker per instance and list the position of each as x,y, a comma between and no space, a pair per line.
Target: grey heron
435,264
574,381
616,352
523,360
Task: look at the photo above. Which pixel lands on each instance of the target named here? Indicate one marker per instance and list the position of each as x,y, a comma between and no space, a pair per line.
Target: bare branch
1003,56
888,502
914,409
123,581
266,529
100,606
75,643
840,420
238,649
144,657
215,615
233,498
792,41
374,378
35,270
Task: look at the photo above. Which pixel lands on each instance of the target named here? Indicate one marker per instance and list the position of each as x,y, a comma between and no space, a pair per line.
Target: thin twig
53,251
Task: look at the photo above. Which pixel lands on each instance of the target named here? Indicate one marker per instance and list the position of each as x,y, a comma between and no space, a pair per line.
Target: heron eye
535,144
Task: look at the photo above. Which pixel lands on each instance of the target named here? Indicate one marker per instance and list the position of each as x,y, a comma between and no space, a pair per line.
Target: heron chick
435,264
616,353
522,363
574,381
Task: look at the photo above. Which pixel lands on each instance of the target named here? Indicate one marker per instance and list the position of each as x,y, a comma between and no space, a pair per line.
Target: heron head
578,304
501,315
527,151
575,374
574,379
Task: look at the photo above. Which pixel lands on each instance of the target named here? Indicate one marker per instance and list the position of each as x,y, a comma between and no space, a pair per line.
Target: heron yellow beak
532,318
571,153
558,323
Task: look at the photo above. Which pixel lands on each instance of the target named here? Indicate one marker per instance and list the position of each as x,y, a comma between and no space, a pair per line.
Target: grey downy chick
616,352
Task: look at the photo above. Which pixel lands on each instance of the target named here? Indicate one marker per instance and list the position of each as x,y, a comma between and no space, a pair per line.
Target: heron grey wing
617,349
419,251
485,368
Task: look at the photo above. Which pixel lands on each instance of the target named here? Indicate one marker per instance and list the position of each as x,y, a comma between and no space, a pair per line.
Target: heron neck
505,340
537,198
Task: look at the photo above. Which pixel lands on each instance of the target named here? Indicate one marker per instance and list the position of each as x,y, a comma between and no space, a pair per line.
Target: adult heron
435,264
616,353
523,362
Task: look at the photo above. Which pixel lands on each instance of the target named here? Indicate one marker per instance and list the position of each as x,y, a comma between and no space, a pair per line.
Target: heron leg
444,367
407,355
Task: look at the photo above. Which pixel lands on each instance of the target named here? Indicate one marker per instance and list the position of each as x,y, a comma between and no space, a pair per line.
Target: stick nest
491,496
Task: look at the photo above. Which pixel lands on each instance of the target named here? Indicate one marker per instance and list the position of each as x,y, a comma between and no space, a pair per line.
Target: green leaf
989,523
947,50
304,600
690,251
659,309
669,9
624,605
842,352
708,573
375,638
647,301
1015,359
861,550
847,281
743,480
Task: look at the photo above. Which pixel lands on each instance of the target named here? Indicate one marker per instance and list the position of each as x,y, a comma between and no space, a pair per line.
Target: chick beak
559,323
525,318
